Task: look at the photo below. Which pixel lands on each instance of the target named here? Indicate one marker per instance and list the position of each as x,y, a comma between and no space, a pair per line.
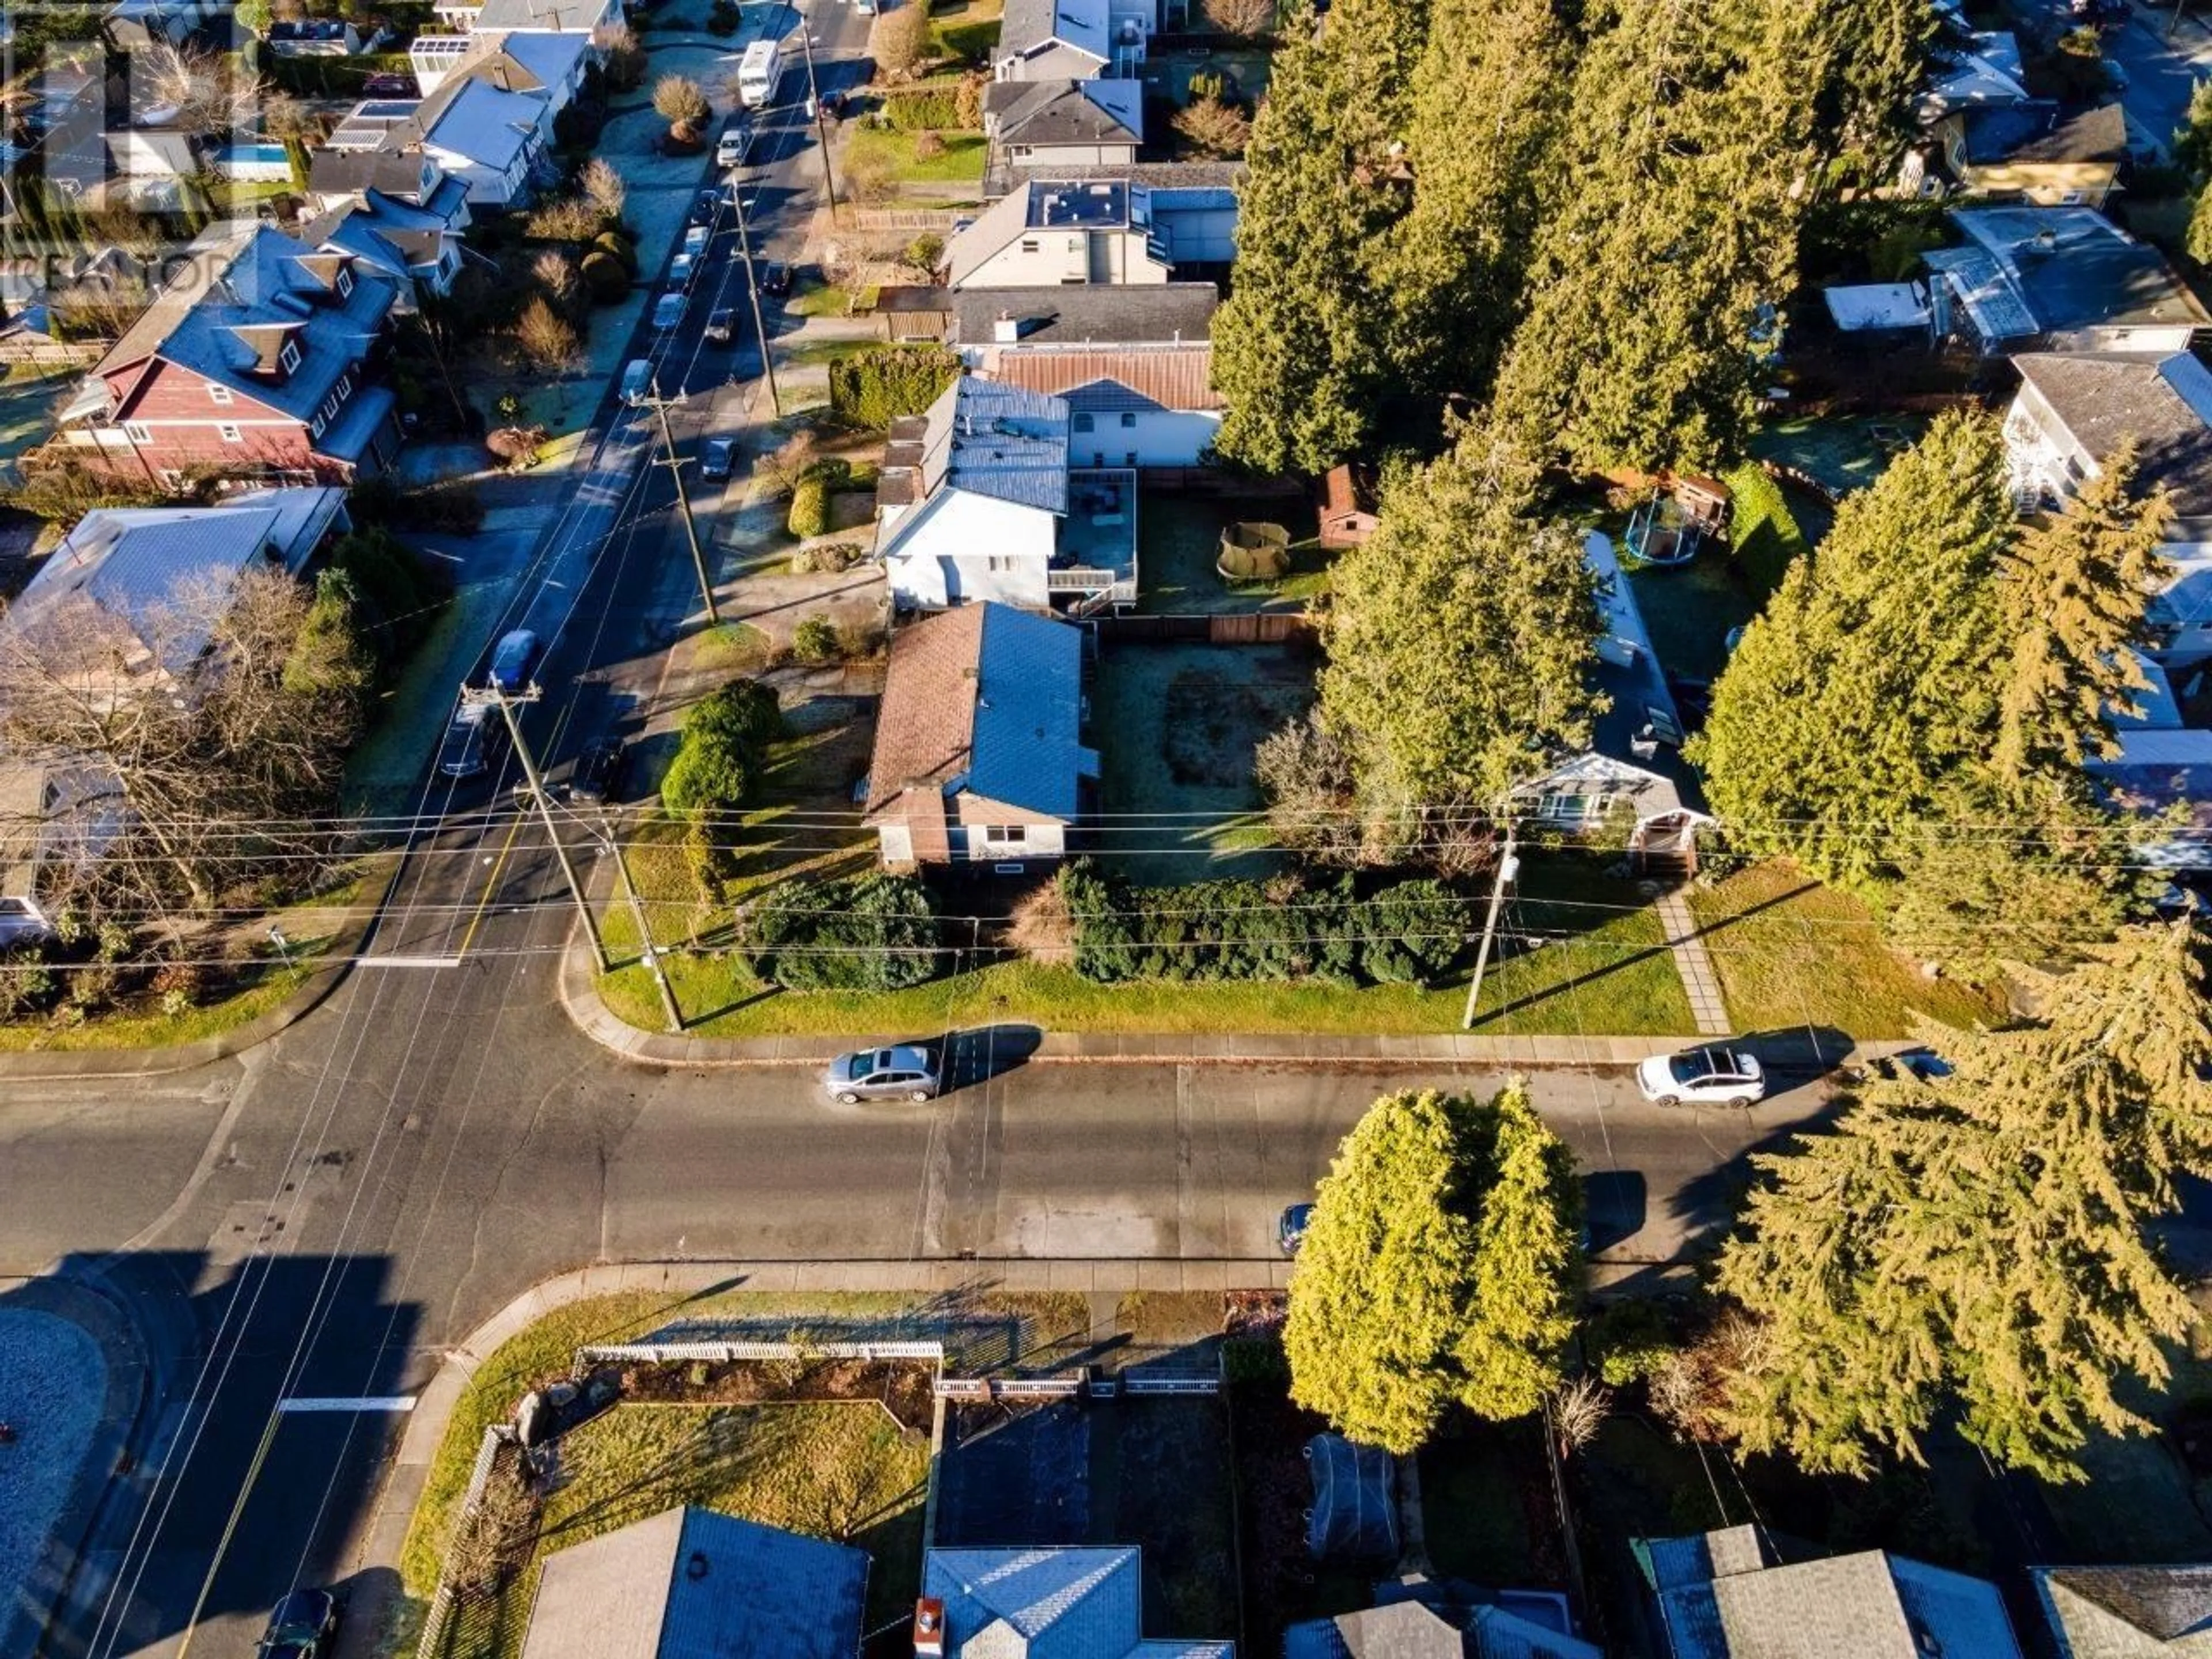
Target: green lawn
1612,977
1792,952
1690,610
1843,453
960,162
812,297
967,29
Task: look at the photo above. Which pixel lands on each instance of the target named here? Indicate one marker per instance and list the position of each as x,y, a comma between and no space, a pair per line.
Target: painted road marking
374,1402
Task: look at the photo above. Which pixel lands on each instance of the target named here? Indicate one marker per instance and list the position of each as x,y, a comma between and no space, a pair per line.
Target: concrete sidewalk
580,995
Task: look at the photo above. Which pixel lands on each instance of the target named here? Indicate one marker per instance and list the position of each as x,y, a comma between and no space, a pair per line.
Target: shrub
872,933
455,509
1283,930
814,640
680,101
563,219
726,738
900,39
809,506
872,388
1629,1340
605,279
968,102
617,248
724,17
922,109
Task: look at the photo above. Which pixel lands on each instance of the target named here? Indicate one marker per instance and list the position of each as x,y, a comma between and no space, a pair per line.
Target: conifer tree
1459,636
1979,1240
1440,1266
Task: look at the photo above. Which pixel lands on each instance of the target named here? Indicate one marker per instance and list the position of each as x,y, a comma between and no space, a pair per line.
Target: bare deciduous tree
1248,18
681,101
900,40
789,461
547,338
603,188
1213,128
1578,1411
193,758
625,65
210,93
556,272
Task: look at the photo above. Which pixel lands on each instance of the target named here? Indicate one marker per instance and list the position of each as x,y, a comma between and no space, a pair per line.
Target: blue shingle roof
1029,714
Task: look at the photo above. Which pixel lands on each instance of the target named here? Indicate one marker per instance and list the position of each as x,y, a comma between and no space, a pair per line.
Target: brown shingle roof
1174,377
925,727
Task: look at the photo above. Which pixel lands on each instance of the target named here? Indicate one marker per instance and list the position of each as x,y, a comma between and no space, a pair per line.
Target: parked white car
1702,1077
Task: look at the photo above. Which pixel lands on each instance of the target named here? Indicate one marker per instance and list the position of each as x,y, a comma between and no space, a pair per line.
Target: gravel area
53,1381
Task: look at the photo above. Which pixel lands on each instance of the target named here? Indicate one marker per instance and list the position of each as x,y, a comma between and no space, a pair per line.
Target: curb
588,1012
49,1063
108,1457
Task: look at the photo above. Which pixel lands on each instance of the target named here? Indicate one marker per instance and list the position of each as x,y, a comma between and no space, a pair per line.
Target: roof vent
1007,329
696,1568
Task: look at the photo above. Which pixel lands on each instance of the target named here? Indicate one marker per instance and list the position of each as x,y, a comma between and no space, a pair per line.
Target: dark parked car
776,277
716,459
1291,1228
722,326
388,84
475,737
300,1626
600,771
704,206
513,658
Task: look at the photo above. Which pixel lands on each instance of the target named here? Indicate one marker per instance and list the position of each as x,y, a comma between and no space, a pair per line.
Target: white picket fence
725,1354
440,1610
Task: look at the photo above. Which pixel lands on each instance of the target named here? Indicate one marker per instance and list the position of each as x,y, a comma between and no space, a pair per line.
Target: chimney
929,1628
1007,329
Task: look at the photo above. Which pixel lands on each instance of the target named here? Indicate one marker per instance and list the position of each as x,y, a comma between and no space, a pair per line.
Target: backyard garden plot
1179,540
1178,727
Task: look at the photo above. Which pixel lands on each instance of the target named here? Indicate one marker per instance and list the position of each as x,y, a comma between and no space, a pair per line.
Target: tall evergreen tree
1657,285
1459,636
1979,1240
1870,682
1299,351
1440,1267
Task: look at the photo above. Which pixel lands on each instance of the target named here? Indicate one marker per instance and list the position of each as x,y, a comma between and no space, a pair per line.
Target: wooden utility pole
645,945
1508,867
660,406
752,291
814,107
505,701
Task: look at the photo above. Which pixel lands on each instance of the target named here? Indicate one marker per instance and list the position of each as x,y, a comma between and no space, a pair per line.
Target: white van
759,70
636,380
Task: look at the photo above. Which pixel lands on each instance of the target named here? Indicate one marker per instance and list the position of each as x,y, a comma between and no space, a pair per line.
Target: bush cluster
873,933
809,506
724,742
928,108
1407,933
396,593
873,388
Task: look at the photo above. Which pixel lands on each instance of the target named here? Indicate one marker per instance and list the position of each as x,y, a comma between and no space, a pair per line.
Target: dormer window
219,394
345,283
289,357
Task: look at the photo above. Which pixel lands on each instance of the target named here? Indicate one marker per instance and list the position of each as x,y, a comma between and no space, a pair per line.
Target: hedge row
873,388
1408,933
924,109
869,933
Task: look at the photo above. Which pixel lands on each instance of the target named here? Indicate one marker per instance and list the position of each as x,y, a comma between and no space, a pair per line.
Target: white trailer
758,72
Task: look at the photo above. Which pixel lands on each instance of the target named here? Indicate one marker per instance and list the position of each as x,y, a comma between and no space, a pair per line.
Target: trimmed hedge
809,506
1408,933
873,388
723,749
934,108
871,933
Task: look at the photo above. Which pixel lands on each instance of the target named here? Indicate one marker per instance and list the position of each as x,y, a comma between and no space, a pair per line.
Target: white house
314,37
1056,40
979,756
2058,279
488,139
1130,406
548,66
1065,123
1633,772
1050,233
978,500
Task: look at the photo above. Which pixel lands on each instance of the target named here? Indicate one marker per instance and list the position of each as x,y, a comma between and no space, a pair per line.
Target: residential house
1063,123
1054,233
979,756
2034,151
978,500
591,18
1632,778
489,139
2073,411
2058,279
551,66
419,248
337,176
1986,72
2126,1613
1350,510
136,25
1072,1603
1136,364
1418,1618
1055,40
314,37
2160,771
142,583
1728,1595
689,1583
251,363
369,126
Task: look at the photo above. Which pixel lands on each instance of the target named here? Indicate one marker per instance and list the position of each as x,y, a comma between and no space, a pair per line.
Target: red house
250,364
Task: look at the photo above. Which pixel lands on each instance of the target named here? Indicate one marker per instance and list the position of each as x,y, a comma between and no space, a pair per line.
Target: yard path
1699,982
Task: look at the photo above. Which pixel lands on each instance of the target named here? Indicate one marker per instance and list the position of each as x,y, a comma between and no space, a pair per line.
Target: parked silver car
905,1073
1702,1077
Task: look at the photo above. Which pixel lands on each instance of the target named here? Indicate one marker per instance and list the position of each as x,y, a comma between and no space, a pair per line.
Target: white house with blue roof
1078,1602
977,500
979,755
691,1583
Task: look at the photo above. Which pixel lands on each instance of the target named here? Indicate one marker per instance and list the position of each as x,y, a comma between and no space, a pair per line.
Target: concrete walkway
1700,983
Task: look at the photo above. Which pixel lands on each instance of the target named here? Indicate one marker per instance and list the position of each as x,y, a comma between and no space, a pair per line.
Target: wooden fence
1235,627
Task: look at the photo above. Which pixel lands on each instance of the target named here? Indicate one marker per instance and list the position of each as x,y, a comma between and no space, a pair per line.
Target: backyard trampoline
1254,552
